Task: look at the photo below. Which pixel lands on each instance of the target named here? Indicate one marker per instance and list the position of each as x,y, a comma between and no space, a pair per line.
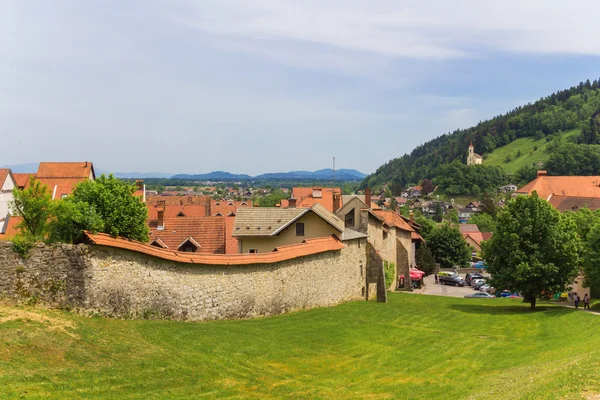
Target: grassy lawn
413,347
528,154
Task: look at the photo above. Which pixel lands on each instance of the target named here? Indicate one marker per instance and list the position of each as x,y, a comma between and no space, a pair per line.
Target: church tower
473,158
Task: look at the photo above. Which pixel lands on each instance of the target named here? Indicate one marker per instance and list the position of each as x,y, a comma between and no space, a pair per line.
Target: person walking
436,279
586,302
577,300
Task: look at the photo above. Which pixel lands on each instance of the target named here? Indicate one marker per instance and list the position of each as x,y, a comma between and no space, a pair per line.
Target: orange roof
416,236
477,237
283,253
209,232
11,228
22,179
573,203
81,170
172,211
178,200
62,177
4,173
231,242
465,228
579,186
304,197
226,207
391,218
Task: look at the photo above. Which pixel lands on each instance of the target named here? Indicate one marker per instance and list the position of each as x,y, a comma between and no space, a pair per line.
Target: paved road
444,290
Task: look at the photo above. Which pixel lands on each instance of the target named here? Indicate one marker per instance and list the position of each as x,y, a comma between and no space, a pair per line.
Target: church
473,158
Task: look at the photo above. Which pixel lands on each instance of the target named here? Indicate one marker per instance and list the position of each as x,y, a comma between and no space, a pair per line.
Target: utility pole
333,172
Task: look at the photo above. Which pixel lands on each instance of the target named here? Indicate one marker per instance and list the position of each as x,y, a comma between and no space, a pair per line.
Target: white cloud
435,29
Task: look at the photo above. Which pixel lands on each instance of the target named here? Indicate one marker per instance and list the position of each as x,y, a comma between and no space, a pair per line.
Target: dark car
470,277
452,280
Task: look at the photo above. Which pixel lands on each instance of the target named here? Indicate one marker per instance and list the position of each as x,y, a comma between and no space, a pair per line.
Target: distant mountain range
322,174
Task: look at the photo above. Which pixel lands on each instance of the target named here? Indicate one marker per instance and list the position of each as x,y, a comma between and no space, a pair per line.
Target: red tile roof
209,232
172,211
22,179
231,242
464,228
579,186
11,229
283,253
226,207
573,203
391,218
4,173
304,198
62,177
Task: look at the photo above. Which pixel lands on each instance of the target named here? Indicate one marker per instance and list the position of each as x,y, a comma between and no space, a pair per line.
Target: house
574,203
473,158
227,208
330,198
571,186
474,205
22,179
62,177
508,188
208,235
7,184
473,236
262,229
178,206
464,214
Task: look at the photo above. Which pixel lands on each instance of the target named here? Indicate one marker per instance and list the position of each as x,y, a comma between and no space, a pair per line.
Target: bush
22,244
389,268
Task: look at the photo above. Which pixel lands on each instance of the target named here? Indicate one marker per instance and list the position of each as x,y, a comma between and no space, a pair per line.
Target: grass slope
528,154
413,347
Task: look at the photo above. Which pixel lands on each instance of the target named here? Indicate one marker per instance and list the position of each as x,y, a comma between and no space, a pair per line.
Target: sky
255,86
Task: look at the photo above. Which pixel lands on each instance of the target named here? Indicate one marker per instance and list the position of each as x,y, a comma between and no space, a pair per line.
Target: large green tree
34,204
425,259
535,250
484,222
449,247
113,200
427,226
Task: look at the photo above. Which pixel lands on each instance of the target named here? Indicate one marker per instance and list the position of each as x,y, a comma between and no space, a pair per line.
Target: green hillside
564,111
414,347
532,151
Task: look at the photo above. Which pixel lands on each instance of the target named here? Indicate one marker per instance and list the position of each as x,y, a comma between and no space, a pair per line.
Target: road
444,290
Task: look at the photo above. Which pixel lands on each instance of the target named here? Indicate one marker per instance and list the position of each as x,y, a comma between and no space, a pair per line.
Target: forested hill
548,117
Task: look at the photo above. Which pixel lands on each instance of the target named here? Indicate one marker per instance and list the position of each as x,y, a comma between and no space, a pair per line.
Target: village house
330,198
262,229
571,186
62,177
7,184
473,236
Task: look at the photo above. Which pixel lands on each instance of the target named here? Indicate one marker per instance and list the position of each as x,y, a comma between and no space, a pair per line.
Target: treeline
561,111
457,178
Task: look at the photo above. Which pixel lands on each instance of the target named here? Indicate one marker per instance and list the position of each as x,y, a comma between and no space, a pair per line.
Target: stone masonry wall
121,283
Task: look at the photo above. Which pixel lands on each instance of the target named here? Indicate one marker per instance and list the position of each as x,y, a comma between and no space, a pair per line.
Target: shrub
389,268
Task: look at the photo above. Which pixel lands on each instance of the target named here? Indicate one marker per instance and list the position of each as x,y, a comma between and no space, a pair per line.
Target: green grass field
413,347
528,154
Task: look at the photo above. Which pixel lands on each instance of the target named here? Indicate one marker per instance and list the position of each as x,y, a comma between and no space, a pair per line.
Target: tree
425,259
488,205
449,247
427,186
535,250
439,214
452,216
71,218
427,226
484,222
34,204
121,213
272,199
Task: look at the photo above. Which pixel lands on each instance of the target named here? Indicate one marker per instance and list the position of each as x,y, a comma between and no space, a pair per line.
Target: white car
479,295
484,288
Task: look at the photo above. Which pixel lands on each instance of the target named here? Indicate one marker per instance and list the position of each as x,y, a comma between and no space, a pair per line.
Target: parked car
484,288
508,294
479,295
477,283
453,280
470,277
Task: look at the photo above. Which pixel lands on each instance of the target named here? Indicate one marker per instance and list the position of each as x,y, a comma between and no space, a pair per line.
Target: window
349,219
385,235
64,196
300,229
253,251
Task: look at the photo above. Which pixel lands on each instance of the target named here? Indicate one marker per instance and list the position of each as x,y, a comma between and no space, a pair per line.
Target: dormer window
217,204
243,203
218,214
231,214
349,219
180,214
230,204
189,245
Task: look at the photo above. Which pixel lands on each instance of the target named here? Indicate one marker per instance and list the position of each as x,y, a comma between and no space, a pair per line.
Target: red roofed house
22,179
330,198
62,177
227,208
178,206
571,186
7,183
474,236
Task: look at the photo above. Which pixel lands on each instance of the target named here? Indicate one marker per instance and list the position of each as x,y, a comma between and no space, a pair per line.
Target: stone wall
122,283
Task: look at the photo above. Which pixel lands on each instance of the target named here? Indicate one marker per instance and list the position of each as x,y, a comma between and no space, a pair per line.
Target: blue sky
257,86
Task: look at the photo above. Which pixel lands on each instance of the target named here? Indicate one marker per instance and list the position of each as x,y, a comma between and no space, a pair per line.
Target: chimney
368,197
336,201
161,219
292,203
412,217
542,172
86,164
317,193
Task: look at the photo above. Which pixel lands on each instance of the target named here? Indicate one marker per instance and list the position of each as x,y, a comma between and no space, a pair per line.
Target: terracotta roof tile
283,253
226,207
573,203
209,232
579,186
10,230
4,172
22,179
231,242
391,218
304,197
81,170
464,228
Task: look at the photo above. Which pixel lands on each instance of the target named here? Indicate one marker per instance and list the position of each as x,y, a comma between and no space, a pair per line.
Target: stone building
473,158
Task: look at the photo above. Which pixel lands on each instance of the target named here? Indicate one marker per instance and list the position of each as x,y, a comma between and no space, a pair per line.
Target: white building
7,183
